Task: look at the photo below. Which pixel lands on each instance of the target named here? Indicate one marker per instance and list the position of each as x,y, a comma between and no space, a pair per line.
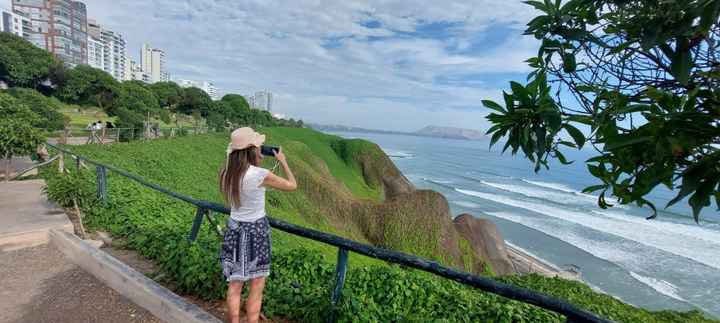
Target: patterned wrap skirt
245,252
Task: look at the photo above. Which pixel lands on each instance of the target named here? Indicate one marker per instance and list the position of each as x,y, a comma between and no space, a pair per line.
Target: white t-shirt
252,196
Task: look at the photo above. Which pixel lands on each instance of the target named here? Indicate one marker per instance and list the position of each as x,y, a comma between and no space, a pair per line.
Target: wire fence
110,135
204,209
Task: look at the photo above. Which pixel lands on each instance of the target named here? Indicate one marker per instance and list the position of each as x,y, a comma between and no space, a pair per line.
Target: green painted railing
570,311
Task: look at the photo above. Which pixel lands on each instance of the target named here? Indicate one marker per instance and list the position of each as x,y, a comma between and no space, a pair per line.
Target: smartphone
269,150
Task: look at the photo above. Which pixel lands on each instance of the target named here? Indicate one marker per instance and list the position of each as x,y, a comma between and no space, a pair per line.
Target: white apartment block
106,50
206,86
96,53
263,100
135,72
152,62
115,55
14,23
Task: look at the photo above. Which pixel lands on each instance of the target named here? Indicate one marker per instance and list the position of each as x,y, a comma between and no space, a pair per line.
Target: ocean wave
562,188
436,181
621,253
688,230
659,285
551,185
691,247
469,205
443,183
398,154
549,195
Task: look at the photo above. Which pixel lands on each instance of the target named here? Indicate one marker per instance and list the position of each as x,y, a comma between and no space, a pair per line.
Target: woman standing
245,252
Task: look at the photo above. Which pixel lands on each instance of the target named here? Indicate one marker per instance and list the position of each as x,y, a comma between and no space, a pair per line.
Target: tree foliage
19,132
136,97
47,108
637,80
236,101
195,99
22,63
169,94
90,86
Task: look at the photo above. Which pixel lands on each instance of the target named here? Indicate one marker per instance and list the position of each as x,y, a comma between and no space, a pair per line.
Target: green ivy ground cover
299,286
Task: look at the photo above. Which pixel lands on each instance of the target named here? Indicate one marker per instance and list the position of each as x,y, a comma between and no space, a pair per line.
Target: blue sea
667,263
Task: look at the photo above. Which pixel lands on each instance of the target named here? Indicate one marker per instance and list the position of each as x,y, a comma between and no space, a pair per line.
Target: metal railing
570,311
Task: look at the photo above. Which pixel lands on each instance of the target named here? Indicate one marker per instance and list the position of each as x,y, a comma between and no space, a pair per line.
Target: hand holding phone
269,150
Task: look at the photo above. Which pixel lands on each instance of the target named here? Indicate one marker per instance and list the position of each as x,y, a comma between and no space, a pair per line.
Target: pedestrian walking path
26,216
38,283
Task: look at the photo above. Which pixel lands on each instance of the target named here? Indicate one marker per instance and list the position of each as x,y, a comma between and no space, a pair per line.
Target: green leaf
567,143
681,61
562,158
520,92
626,143
596,171
496,136
537,4
569,62
576,134
586,120
492,105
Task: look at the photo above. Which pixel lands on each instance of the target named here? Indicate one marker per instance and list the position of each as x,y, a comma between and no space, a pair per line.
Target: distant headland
428,131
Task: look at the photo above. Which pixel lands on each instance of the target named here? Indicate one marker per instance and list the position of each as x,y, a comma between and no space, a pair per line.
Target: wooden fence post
340,271
61,162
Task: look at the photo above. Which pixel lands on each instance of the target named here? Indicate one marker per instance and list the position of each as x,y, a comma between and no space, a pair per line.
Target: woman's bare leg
254,301
234,299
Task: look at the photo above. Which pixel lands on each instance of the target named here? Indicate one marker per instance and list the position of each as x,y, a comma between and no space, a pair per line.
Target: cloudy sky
386,64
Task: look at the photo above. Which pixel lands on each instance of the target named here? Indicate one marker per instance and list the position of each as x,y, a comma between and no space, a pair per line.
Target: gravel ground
40,285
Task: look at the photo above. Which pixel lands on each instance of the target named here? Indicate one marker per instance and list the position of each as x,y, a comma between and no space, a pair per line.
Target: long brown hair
232,174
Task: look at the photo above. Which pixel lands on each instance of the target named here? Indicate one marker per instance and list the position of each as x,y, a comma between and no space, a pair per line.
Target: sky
393,65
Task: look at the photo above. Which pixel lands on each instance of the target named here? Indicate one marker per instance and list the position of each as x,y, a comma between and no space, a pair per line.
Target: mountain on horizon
427,131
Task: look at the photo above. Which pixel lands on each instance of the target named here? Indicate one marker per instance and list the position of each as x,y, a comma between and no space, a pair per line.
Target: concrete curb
144,292
26,239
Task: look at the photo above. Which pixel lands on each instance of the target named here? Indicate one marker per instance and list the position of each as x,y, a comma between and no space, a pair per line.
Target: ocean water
667,263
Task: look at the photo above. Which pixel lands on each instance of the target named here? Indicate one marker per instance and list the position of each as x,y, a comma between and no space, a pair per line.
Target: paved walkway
26,215
40,285
37,282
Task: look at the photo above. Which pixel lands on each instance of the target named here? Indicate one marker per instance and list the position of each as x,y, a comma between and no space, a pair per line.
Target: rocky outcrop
405,219
486,241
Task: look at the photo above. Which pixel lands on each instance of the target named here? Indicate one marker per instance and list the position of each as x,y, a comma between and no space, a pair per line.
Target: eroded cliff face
405,219
486,241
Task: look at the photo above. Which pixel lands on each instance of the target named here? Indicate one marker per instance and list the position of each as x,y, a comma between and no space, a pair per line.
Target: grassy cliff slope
346,187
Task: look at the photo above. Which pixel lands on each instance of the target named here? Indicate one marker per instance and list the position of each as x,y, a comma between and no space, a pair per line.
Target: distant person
246,248
109,125
92,127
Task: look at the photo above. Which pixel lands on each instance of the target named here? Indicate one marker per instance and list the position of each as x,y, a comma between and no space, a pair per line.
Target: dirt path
40,285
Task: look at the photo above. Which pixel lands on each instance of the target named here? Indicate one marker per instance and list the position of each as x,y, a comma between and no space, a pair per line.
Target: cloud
346,62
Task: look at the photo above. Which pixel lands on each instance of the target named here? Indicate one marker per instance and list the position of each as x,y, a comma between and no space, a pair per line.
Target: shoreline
525,262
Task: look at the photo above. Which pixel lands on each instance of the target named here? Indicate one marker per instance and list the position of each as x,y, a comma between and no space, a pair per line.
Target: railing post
340,271
101,183
196,223
77,162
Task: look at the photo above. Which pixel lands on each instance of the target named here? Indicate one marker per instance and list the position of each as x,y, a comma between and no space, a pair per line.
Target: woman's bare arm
279,183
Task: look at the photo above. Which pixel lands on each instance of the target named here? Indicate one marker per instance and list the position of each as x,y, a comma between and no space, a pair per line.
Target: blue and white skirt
246,250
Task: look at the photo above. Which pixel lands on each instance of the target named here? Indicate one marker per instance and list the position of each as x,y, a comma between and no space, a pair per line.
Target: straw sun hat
245,137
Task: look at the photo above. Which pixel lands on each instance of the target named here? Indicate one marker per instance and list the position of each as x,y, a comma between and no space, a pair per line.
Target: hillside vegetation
346,187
